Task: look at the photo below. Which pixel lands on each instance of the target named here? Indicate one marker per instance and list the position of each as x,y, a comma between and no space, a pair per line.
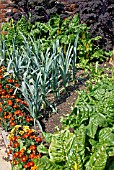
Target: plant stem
39,125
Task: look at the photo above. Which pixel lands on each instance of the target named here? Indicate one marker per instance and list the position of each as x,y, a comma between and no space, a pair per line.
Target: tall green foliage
41,73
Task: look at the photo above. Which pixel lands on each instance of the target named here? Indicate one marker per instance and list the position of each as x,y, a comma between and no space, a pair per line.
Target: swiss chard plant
94,111
91,145
63,151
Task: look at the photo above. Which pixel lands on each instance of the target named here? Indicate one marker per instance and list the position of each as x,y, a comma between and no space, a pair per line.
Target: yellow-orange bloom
34,167
21,132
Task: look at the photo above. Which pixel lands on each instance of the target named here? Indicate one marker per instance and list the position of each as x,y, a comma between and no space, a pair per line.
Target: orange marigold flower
32,137
7,86
15,162
12,118
2,97
10,81
25,166
25,103
25,136
18,100
13,96
0,109
3,92
31,131
33,147
30,164
16,154
21,114
5,117
10,90
16,144
12,124
22,150
1,77
24,158
17,112
1,103
8,96
9,102
10,151
38,156
17,85
15,106
9,116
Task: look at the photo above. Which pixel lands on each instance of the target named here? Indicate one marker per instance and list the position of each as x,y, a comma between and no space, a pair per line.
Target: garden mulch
67,102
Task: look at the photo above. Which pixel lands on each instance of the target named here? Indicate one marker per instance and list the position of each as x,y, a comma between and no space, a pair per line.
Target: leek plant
41,73
64,65
55,76
30,89
74,58
17,63
2,49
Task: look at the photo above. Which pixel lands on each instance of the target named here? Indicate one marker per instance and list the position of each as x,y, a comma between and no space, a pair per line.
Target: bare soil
67,101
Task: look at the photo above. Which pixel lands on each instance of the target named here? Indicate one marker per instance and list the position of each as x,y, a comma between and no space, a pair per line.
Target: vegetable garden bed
63,110
57,90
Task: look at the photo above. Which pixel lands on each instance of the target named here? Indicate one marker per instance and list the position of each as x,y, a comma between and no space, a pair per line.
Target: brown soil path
4,162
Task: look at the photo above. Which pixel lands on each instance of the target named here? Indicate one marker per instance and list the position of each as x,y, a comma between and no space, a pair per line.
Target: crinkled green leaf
45,163
60,146
98,159
42,149
106,135
66,150
95,121
47,137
